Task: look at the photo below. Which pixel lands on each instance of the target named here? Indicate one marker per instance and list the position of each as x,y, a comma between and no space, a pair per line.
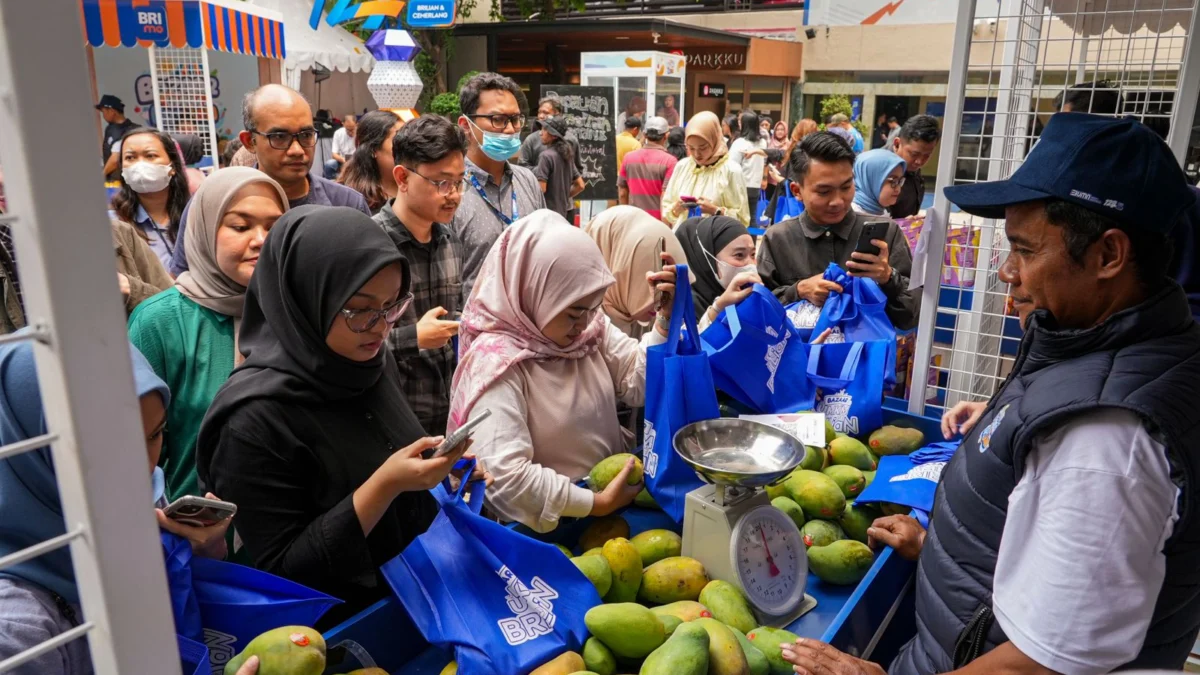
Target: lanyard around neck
507,220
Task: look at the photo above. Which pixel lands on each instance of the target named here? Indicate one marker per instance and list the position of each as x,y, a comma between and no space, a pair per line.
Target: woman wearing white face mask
721,253
154,189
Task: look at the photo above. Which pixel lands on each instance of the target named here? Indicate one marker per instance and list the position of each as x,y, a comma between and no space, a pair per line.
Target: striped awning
215,24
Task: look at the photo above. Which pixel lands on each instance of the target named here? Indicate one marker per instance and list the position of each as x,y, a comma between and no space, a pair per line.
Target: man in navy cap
113,111
1065,537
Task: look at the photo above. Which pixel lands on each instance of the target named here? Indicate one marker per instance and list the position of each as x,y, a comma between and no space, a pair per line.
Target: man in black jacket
916,143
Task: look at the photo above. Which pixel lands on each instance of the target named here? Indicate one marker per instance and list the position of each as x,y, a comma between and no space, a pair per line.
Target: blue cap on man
1118,168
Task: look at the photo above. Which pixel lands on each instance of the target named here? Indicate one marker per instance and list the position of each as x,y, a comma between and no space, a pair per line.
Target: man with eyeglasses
498,192
278,128
430,171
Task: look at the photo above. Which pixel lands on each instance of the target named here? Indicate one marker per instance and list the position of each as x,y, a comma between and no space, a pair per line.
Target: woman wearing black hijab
304,435
720,252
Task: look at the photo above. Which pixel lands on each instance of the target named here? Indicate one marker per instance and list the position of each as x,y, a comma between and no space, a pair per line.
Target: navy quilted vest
1145,359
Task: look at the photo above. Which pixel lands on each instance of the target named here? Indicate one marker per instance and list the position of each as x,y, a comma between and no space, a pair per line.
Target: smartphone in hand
872,229
460,435
199,511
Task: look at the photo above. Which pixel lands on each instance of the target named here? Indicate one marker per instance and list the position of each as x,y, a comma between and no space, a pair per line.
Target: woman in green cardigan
189,332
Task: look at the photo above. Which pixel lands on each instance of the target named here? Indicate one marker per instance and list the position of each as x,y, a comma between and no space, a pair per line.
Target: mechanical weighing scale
730,526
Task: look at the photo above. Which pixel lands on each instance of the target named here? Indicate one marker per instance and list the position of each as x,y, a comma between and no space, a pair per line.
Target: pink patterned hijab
540,266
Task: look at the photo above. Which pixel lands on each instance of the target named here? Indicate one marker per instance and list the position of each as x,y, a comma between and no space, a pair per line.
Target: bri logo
534,611
985,437
650,465
836,407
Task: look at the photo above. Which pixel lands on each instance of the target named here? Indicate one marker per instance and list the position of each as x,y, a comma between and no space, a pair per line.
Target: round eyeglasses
363,320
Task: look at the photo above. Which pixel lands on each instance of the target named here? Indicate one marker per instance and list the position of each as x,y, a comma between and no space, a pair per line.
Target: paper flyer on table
808,427
921,254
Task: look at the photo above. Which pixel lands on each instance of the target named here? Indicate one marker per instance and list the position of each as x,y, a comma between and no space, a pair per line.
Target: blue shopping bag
679,391
761,220
757,358
849,380
503,602
193,657
786,204
858,314
695,212
803,316
907,479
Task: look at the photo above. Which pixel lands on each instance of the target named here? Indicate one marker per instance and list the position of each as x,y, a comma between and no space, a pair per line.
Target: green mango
850,452
290,650
821,533
591,551
686,653
856,519
776,489
646,500
789,508
843,562
728,605
725,655
626,566
768,641
602,530
890,509
670,622
598,658
603,473
830,432
563,664
754,656
849,479
686,610
869,477
655,545
565,551
671,580
892,440
596,569
817,494
629,630
814,457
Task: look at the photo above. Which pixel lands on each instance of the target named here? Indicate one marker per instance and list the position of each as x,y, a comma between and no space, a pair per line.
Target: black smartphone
199,511
872,229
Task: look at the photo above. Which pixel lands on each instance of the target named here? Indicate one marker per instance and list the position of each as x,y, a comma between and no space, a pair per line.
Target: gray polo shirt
477,223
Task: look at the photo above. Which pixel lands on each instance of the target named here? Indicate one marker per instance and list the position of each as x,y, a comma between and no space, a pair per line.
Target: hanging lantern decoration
394,81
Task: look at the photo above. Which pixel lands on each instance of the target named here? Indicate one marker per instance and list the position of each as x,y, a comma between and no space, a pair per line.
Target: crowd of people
301,343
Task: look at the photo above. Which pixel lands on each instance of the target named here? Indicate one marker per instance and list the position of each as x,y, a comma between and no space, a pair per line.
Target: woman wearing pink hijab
538,351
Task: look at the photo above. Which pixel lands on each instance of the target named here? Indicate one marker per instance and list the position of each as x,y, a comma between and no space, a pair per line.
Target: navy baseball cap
1118,168
110,101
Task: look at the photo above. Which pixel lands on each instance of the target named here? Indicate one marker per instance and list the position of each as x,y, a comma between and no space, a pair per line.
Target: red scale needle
770,558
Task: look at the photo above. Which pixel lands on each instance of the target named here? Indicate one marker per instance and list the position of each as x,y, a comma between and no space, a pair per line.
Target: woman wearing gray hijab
189,332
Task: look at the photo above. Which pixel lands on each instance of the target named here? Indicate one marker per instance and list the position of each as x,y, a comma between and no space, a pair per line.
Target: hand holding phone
872,230
460,435
199,511
870,260
688,200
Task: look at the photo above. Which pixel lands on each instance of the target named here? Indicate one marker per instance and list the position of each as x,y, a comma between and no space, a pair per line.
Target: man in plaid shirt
429,172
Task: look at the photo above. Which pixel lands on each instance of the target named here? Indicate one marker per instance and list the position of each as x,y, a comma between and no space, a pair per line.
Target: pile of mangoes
820,497
290,650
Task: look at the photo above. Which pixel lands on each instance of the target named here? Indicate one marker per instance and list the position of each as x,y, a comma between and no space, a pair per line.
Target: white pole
1184,110
68,275
951,127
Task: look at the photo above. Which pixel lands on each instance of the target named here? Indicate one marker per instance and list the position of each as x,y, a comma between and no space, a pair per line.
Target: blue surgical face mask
497,146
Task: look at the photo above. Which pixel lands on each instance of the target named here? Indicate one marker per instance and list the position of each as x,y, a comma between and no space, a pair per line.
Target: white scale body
740,538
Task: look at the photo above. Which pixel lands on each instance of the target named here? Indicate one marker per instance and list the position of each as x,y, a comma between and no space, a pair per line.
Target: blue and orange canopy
187,23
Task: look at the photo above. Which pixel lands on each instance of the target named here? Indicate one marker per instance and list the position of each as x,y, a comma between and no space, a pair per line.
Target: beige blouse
552,421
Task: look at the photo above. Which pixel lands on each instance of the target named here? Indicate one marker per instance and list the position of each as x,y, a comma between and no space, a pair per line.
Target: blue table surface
845,616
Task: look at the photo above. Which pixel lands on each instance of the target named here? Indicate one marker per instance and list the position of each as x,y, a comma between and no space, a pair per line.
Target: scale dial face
770,560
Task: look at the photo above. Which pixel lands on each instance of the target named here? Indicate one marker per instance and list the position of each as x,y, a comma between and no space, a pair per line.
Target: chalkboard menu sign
589,115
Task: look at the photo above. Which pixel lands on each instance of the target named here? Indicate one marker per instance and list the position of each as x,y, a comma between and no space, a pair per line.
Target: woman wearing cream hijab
537,351
630,241
707,175
189,332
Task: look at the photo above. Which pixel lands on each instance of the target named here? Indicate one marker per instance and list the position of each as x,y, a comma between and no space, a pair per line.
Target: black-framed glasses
500,121
282,140
895,181
363,320
445,187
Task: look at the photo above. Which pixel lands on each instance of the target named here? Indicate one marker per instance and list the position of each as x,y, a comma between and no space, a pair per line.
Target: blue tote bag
503,602
757,358
679,391
193,657
758,226
849,380
225,605
786,204
858,314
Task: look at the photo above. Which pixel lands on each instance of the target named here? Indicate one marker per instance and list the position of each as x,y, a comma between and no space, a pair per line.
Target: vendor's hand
706,206
207,542
822,337
663,284
873,267
477,473
961,418
812,657
618,494
816,289
432,332
124,283
250,667
902,533
739,289
407,471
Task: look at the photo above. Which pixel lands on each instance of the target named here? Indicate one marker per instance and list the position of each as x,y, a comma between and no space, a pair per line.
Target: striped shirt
644,172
